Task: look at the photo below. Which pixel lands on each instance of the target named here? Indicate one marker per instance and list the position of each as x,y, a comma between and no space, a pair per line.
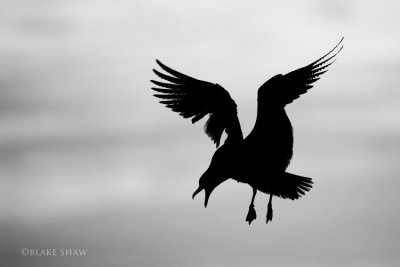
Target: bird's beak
197,191
207,194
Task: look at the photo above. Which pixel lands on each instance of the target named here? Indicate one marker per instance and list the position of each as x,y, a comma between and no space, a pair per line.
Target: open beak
197,191
207,194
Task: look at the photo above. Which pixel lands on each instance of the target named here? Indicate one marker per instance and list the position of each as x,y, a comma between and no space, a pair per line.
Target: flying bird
260,159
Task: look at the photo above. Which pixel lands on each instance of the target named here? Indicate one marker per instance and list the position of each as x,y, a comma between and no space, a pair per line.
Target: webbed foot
251,215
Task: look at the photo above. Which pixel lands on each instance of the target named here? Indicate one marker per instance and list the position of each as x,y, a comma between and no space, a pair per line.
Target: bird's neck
268,114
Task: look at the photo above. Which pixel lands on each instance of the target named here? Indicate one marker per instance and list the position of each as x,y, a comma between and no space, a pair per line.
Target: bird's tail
292,186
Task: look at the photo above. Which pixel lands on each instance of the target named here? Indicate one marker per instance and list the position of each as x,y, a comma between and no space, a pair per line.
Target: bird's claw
251,215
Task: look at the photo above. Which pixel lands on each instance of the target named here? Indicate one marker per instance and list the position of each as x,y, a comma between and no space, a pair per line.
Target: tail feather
292,186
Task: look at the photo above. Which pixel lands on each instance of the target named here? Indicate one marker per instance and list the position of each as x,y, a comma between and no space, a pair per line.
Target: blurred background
90,160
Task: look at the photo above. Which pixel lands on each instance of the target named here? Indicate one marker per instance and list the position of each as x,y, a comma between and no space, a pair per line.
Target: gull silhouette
261,159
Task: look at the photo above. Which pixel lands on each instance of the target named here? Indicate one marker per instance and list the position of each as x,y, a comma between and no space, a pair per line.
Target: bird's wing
299,81
193,98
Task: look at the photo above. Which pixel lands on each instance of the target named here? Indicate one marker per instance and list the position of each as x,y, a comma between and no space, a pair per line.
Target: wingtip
323,59
341,45
159,62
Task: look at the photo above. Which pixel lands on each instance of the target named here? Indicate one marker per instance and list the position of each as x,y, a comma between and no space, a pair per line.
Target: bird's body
272,138
268,147
260,159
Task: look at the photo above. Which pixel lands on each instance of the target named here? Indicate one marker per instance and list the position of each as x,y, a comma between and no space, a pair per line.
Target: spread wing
193,98
298,82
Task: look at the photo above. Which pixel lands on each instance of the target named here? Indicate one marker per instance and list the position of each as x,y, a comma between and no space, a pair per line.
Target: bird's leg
251,215
269,212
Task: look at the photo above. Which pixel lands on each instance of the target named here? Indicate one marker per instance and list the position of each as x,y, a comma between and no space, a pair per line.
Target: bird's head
208,184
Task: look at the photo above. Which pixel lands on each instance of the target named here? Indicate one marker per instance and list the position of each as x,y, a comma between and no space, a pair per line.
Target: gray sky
89,159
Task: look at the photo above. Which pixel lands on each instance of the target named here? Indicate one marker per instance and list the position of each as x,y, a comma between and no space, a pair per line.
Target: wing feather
193,98
299,81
